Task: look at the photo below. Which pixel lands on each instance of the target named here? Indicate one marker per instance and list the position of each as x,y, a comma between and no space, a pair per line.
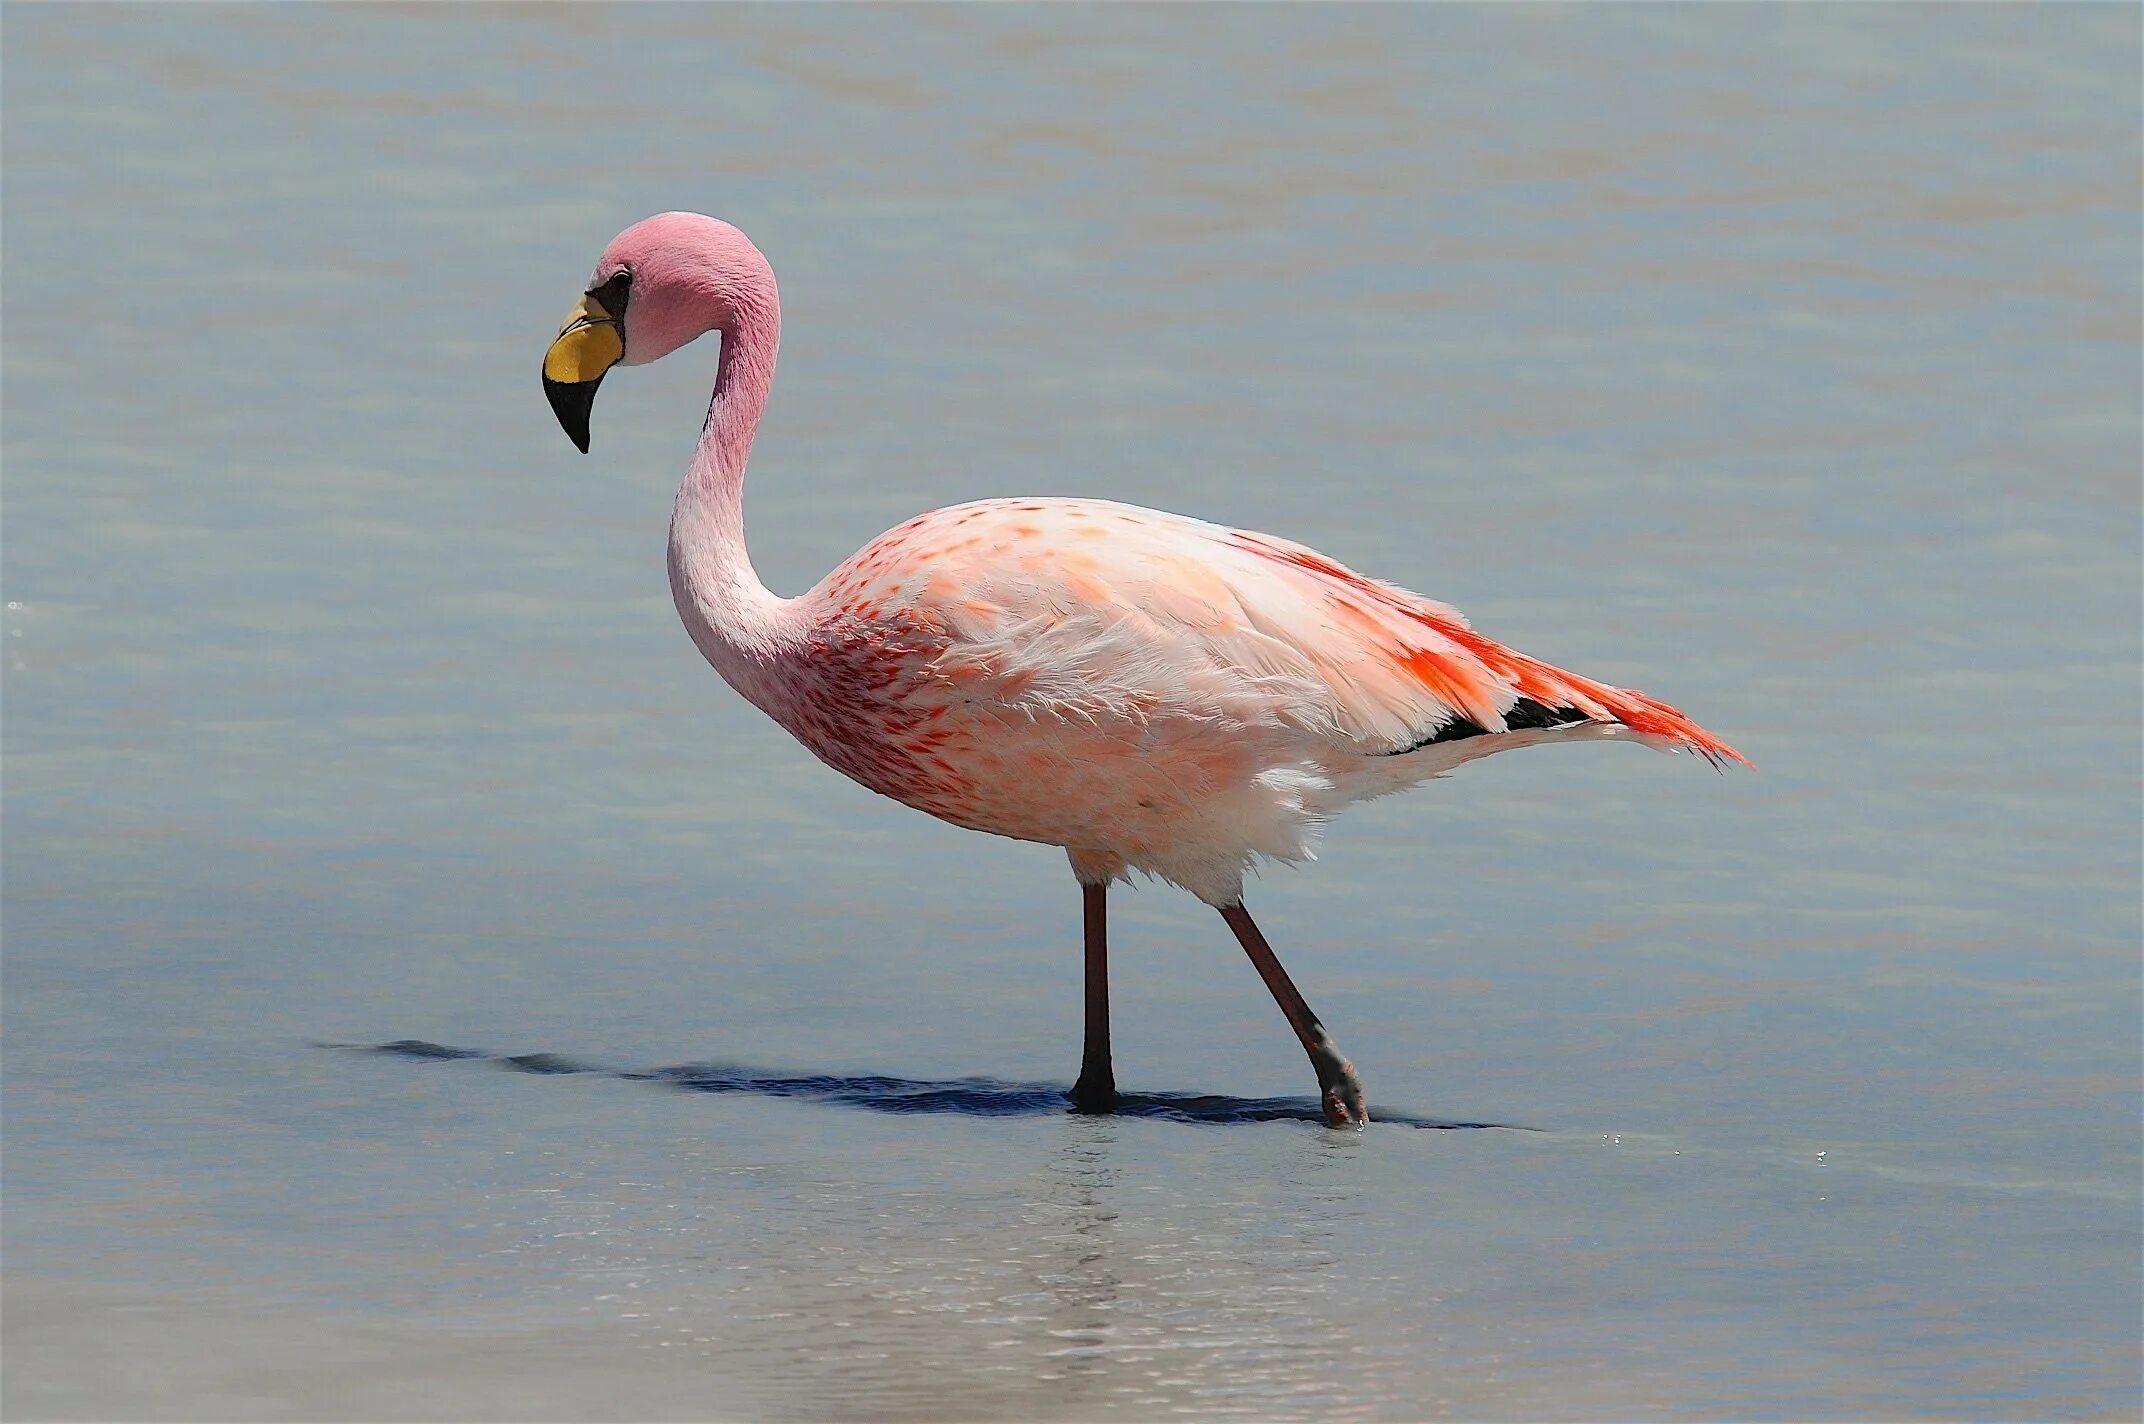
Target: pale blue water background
1782,362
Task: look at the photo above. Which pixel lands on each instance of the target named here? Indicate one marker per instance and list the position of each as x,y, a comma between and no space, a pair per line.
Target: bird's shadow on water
972,1097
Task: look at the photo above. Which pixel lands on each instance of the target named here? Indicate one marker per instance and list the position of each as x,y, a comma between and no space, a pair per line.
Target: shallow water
1783,362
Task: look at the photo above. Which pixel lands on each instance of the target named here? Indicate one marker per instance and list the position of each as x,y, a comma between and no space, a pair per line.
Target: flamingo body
1148,691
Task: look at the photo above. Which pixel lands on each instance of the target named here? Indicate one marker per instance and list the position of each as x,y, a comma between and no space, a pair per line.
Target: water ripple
975,1097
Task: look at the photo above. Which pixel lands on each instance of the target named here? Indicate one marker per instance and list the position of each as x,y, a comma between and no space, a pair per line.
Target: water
1783,362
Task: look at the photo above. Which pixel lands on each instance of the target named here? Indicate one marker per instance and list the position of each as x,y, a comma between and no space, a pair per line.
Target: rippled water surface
1783,362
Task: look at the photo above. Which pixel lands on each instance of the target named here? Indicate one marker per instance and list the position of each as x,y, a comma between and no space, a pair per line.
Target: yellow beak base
586,346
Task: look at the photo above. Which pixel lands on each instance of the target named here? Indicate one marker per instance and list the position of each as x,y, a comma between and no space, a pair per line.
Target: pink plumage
1152,691
1148,691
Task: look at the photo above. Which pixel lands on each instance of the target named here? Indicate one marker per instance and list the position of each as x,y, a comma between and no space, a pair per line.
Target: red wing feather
1474,676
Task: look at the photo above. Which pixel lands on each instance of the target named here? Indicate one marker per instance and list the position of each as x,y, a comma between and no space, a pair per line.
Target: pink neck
750,340
735,621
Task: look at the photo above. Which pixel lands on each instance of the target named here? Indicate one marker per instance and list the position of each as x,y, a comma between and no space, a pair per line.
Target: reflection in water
1086,1284
1081,1277
978,1097
1224,1305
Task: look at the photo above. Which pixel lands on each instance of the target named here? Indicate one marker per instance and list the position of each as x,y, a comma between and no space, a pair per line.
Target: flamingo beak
590,343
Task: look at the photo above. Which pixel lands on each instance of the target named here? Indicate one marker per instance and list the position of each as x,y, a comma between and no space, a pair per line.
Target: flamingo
1150,692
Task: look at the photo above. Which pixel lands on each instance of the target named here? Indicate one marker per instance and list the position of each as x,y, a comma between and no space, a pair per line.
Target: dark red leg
1339,1090
1096,1090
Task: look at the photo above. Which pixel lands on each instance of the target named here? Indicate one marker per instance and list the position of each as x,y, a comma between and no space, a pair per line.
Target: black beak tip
570,402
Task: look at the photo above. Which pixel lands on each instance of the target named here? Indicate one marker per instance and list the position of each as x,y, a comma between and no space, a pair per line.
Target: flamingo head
661,283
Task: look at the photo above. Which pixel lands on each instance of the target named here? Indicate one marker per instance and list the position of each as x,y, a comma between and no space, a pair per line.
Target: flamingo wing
1088,609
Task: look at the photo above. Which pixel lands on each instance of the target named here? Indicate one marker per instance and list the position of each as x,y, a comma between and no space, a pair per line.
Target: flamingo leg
1096,1090
1339,1090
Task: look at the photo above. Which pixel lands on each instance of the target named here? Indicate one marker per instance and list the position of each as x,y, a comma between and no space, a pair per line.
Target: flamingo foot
1339,1090
1094,1097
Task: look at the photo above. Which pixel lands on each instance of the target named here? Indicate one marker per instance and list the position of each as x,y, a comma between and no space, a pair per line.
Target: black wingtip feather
1524,715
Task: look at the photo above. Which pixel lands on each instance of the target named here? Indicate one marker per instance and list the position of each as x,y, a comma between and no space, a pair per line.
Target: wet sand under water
83,1353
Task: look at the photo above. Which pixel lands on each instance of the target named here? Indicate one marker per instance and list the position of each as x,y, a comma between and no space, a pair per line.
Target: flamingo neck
732,617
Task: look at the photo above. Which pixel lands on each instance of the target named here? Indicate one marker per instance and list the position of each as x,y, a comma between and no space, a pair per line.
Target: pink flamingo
1148,691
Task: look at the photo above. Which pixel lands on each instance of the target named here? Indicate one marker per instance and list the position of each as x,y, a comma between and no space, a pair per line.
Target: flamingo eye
613,292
